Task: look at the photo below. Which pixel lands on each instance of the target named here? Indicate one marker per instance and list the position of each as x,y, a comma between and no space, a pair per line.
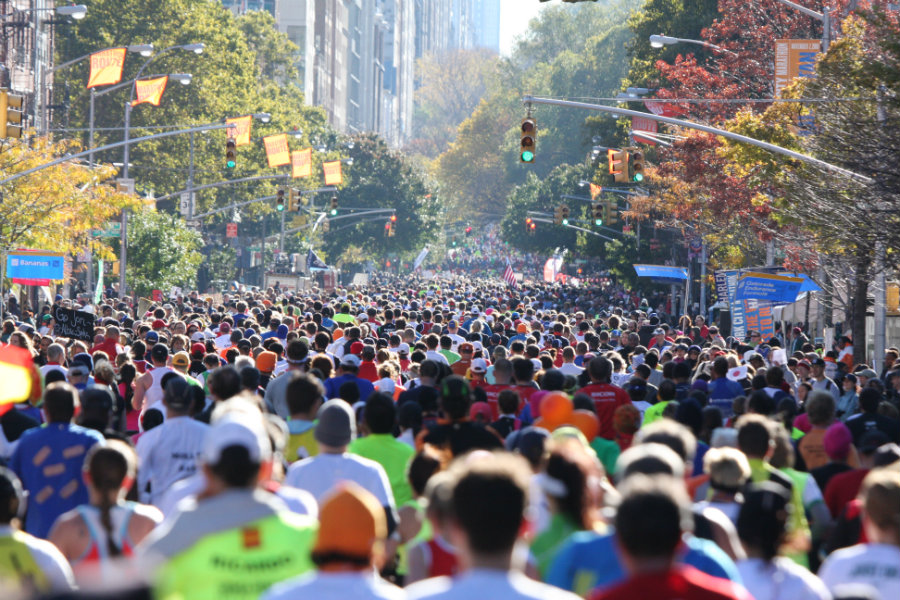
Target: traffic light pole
624,112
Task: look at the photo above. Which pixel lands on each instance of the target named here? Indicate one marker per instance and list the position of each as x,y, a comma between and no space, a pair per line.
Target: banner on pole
301,163
240,129
794,58
277,150
332,172
106,67
420,258
150,91
98,293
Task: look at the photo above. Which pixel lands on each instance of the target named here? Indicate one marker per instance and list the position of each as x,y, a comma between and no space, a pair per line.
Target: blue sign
662,272
738,316
777,289
24,265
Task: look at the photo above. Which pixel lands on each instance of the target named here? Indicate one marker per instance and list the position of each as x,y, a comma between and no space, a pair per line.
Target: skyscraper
486,21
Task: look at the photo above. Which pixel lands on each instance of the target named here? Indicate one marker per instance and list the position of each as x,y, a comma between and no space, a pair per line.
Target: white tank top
154,395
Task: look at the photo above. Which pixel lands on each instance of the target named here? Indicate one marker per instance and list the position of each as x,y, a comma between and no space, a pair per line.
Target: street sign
113,229
231,230
125,185
184,204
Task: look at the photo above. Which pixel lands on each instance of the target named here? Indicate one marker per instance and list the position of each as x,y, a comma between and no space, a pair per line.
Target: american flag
508,275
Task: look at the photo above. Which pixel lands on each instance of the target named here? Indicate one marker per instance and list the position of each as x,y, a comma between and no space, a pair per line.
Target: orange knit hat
351,522
266,361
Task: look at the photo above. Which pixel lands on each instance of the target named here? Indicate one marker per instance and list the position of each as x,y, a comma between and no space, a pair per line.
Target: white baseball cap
235,429
479,365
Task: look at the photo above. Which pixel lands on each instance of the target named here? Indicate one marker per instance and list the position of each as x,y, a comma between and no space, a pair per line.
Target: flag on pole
314,262
420,258
106,67
98,293
150,90
332,172
508,276
277,149
240,129
301,163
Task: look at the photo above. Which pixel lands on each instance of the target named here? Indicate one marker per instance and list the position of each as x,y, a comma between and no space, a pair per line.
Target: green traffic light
598,222
230,164
333,212
638,177
527,156
565,222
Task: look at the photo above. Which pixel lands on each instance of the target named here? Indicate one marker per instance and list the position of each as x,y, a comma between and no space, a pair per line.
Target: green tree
168,252
381,178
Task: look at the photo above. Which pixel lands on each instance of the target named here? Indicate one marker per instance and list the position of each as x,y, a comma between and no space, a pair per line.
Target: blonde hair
727,468
880,494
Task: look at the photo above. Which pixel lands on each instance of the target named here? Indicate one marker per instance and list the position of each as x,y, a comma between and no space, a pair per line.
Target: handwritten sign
74,324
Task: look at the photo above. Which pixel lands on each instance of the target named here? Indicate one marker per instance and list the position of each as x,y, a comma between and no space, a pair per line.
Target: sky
514,17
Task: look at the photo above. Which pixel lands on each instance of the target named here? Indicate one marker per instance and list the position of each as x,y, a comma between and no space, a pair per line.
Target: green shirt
654,412
608,452
547,543
450,355
394,456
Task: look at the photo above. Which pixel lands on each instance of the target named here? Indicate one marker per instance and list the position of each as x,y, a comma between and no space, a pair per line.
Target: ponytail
108,467
106,521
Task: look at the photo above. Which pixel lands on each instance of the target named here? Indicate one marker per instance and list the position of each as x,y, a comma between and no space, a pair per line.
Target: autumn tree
55,208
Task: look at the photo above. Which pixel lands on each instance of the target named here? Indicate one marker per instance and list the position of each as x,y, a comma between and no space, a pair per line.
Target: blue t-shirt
722,392
49,461
588,560
333,386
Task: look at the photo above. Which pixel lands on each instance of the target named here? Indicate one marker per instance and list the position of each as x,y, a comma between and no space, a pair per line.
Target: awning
808,284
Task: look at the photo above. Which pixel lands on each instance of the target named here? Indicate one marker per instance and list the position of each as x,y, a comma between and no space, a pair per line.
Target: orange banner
794,58
277,150
301,163
240,129
595,190
106,67
332,172
150,90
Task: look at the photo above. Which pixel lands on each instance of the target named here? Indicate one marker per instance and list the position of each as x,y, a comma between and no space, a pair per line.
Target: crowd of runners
442,438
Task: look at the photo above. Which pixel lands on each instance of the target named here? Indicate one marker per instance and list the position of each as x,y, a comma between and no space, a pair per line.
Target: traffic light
469,230
637,164
293,197
230,153
557,215
527,143
326,225
11,107
528,223
387,229
279,200
612,212
618,165
334,205
564,213
597,213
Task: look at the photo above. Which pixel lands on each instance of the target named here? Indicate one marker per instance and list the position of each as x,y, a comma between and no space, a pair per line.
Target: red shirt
680,583
368,370
607,398
492,391
110,347
842,489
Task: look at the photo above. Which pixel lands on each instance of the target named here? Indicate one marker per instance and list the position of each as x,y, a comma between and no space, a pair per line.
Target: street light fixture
144,50
263,117
195,48
660,40
76,11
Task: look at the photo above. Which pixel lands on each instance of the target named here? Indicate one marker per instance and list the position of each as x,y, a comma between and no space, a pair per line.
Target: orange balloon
586,422
556,409
539,422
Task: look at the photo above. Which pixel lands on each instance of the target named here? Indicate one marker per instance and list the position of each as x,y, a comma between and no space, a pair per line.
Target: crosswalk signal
334,205
637,164
11,107
279,200
230,153
564,213
618,165
597,213
527,143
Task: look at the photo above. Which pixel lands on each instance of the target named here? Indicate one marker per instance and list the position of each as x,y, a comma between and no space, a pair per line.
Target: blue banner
662,272
738,317
26,265
777,289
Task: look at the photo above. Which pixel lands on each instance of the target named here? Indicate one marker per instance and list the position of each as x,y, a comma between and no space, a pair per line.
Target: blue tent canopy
662,273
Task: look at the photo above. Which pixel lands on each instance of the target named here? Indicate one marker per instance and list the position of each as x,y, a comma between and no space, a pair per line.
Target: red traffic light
468,230
528,221
393,218
387,225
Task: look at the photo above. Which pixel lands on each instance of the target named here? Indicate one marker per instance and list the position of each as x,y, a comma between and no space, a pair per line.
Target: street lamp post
660,40
142,49
824,17
123,235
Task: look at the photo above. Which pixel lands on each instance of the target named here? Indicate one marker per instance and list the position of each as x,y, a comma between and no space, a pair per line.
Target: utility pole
880,287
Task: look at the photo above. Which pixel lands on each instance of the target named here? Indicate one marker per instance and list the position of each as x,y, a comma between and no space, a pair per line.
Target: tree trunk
860,303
